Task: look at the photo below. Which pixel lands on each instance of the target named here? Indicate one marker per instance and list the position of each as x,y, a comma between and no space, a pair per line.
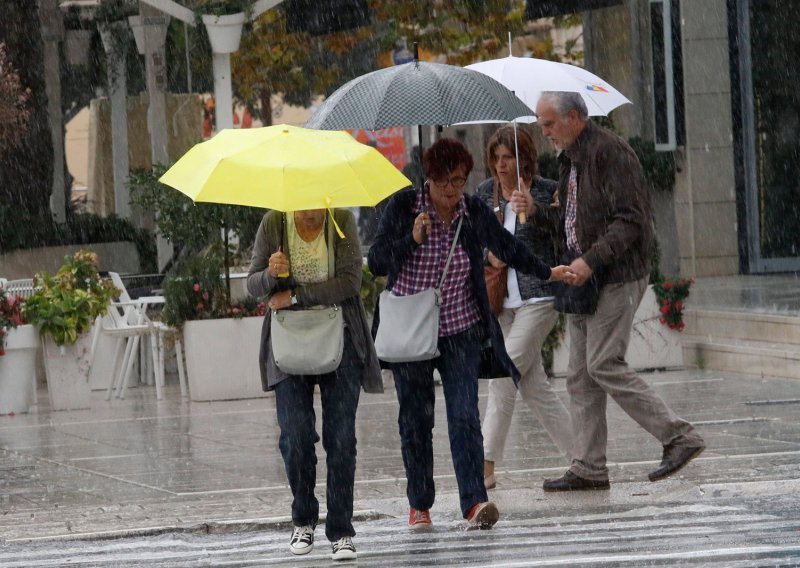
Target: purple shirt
459,310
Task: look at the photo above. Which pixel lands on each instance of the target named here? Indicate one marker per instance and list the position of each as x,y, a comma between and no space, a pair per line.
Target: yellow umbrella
285,168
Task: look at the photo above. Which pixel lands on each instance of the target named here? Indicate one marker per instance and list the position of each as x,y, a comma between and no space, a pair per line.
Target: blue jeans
458,365
294,398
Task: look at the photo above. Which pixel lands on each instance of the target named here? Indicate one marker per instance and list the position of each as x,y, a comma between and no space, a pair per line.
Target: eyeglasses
456,182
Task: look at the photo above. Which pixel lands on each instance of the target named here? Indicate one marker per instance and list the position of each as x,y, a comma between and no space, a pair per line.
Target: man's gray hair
565,101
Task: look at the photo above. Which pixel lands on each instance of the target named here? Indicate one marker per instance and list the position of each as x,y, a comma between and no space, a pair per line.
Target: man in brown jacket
603,215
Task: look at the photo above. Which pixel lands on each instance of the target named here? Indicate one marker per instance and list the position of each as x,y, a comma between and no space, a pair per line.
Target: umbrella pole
227,260
420,173
521,216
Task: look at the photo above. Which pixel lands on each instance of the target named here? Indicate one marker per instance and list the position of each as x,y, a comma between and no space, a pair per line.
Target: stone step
755,326
762,358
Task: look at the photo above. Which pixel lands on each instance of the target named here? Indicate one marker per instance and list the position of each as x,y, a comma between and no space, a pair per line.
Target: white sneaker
343,549
302,540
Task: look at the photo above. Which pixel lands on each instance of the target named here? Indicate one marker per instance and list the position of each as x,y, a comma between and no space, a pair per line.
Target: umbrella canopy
417,93
285,168
529,77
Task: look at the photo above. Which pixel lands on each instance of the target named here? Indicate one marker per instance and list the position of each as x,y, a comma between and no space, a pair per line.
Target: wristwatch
294,298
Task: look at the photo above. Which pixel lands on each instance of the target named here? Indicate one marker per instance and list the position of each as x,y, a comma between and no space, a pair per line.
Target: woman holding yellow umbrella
298,243
307,262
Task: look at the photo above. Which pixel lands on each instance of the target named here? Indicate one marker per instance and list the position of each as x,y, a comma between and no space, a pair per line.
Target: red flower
667,285
665,309
678,305
196,287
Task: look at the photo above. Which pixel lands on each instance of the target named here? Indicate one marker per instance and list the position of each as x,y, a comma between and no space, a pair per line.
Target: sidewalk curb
209,527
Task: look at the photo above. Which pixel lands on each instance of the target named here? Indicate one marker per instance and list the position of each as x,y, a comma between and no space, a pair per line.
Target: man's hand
580,272
494,261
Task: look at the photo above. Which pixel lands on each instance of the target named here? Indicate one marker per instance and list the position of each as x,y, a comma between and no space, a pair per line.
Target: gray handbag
309,341
409,325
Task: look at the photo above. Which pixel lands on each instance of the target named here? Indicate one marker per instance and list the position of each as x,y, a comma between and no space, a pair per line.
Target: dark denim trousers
294,398
458,365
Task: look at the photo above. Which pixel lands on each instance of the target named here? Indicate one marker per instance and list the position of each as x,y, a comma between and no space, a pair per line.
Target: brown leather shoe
673,459
571,482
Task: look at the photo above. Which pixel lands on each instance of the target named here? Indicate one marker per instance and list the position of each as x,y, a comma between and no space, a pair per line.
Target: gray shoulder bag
309,341
409,325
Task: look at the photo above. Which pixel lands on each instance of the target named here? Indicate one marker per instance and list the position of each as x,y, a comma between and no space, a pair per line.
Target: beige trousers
525,330
597,369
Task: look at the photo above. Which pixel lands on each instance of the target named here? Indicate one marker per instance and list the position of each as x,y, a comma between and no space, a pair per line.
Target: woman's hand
422,227
280,300
278,264
494,261
522,201
560,273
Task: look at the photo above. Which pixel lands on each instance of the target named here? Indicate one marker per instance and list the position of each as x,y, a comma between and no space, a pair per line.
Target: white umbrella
529,77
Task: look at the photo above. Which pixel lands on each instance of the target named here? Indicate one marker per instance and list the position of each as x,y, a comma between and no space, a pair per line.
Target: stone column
155,37
52,34
115,43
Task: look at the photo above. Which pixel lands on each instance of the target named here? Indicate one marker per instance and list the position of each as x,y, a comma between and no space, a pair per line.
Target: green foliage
20,229
65,305
659,167
655,263
115,10
670,295
223,7
371,288
551,343
195,290
192,227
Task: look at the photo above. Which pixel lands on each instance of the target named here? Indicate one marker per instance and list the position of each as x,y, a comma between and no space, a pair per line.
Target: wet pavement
176,483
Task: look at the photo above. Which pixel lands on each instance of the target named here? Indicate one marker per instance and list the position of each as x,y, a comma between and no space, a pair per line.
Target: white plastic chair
128,322
21,287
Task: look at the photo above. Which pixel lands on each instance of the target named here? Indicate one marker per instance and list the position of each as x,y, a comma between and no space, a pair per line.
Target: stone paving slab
141,466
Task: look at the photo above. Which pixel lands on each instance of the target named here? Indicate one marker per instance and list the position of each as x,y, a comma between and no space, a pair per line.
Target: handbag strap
450,254
498,212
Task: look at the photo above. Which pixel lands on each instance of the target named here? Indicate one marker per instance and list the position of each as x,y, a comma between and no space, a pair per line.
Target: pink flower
196,287
205,295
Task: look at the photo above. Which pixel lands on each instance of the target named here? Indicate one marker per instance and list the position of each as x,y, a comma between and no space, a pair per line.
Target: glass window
665,30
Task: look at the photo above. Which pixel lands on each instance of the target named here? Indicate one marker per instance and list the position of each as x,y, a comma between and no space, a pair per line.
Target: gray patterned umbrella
417,93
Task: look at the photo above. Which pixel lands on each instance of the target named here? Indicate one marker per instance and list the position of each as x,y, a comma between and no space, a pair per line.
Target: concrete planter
652,345
222,358
67,371
18,370
224,32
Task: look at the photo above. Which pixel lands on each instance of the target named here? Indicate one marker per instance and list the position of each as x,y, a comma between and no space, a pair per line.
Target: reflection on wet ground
145,467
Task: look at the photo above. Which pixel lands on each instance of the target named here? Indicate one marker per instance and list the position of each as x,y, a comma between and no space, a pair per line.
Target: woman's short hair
445,155
528,157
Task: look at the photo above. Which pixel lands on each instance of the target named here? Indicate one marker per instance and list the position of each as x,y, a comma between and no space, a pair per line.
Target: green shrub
65,305
24,230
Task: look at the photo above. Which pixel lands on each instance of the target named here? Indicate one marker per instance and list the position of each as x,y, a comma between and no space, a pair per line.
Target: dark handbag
578,299
496,278
490,366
